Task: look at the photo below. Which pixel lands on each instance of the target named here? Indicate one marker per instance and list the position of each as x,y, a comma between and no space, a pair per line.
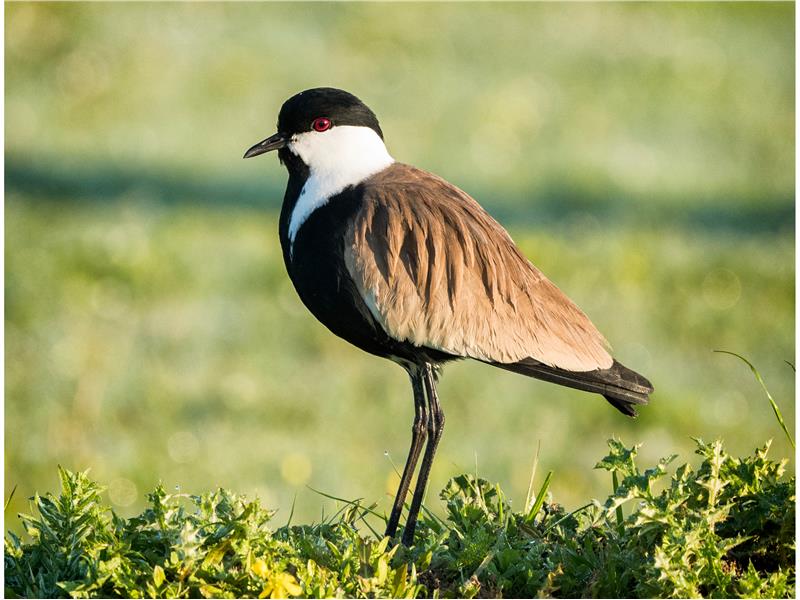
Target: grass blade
431,514
775,408
529,498
350,502
10,496
539,499
567,516
291,512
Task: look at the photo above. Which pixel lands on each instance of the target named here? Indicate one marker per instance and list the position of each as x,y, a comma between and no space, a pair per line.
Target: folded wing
437,271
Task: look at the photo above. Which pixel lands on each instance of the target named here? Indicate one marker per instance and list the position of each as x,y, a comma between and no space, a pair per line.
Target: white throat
336,159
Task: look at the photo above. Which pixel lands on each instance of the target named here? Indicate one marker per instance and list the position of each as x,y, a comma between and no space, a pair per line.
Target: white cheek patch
336,159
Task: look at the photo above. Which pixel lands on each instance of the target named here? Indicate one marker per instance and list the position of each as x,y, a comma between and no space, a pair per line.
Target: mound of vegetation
723,529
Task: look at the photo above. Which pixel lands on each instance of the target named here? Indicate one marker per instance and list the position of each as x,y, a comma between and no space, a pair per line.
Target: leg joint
436,422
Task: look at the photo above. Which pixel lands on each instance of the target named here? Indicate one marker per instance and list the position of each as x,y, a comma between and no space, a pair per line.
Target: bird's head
325,129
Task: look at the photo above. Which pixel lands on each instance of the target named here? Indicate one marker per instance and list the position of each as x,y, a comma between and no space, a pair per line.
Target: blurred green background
641,155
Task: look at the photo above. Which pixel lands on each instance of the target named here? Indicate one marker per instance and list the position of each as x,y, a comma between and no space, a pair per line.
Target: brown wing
437,271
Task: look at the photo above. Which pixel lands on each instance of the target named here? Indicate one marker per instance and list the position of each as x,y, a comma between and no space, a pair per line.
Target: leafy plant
722,529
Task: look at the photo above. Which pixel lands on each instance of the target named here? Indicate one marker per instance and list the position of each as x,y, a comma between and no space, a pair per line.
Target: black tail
623,388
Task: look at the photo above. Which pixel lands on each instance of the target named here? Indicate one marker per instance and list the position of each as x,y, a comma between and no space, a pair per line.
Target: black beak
273,142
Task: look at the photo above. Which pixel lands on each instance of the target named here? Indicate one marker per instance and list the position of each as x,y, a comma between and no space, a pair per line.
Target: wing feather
437,271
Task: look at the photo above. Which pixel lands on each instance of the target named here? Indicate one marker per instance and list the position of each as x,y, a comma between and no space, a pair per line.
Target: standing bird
406,266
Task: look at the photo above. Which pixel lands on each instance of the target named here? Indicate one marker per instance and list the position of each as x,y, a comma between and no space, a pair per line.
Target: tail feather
622,387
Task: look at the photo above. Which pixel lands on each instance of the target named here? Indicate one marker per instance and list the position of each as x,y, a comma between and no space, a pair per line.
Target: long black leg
435,429
418,433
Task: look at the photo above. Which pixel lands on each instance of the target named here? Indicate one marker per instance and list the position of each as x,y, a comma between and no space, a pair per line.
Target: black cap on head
341,107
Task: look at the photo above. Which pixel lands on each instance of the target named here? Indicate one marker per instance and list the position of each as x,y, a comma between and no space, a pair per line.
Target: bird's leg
435,428
418,433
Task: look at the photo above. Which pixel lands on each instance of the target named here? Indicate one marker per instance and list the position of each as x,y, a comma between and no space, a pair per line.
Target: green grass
724,528
148,341
671,104
641,155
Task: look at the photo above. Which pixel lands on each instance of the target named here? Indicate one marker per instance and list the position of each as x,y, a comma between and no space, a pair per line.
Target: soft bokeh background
641,155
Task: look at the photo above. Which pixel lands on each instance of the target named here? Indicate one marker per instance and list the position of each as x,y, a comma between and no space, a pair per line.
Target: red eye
321,124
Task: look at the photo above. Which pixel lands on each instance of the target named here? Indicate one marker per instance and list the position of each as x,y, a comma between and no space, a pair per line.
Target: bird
408,267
